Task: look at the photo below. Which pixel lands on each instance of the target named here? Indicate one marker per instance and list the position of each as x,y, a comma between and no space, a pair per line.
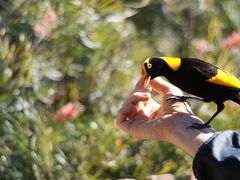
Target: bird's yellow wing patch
225,79
173,63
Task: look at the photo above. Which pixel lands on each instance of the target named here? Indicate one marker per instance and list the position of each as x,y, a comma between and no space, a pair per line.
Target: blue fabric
219,157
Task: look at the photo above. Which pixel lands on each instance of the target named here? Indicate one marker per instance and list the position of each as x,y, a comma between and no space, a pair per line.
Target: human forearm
187,138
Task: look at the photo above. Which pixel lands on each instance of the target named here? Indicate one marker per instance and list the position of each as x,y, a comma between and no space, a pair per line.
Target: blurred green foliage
59,51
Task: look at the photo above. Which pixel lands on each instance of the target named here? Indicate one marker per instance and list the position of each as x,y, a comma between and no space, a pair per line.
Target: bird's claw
179,98
199,126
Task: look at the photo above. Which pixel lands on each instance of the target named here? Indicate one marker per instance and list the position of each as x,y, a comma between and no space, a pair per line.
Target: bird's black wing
197,69
200,70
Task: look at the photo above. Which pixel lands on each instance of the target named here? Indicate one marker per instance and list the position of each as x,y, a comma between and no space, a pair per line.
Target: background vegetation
67,65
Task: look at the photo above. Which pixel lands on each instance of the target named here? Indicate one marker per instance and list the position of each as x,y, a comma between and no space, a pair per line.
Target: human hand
142,117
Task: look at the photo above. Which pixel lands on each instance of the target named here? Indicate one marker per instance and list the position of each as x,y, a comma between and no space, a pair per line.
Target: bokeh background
66,66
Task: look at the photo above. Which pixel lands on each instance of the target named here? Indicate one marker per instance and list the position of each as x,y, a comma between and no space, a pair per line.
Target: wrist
188,139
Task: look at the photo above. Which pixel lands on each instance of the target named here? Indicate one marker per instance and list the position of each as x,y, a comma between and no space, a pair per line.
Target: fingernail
149,89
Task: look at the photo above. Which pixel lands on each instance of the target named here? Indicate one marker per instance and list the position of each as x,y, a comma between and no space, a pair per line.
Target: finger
140,86
128,110
137,97
140,83
124,116
165,88
121,118
129,107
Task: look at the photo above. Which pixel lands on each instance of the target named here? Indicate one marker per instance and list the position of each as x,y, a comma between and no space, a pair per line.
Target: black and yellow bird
205,81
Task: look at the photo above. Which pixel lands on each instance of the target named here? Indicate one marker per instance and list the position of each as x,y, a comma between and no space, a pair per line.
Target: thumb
165,88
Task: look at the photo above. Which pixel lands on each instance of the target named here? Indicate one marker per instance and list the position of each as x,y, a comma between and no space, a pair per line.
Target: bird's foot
179,98
199,126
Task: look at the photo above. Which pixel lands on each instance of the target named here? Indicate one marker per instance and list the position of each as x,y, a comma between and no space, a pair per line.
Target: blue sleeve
219,157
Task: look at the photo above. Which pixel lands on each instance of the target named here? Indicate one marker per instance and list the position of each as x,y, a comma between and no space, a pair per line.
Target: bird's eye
149,65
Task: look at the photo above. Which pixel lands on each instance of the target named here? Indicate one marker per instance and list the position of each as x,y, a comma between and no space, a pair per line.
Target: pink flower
69,111
202,46
48,23
232,41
